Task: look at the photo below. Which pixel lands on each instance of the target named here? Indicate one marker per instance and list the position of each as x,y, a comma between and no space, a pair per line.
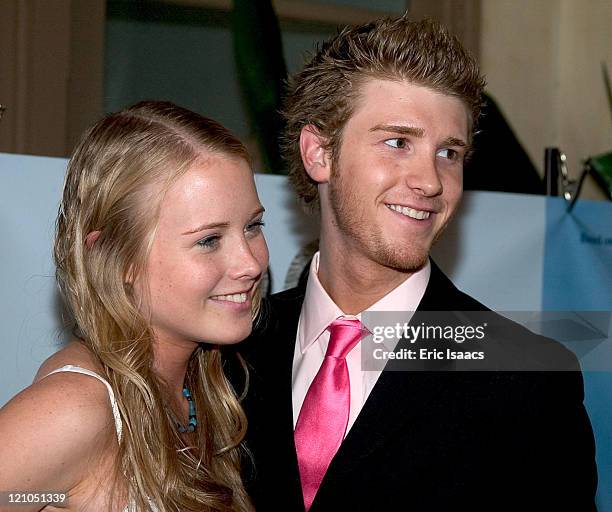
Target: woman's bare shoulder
54,429
74,353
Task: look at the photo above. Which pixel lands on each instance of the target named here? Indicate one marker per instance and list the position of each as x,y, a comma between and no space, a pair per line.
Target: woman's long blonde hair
114,184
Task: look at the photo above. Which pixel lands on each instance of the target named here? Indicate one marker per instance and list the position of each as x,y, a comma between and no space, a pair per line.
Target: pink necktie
323,418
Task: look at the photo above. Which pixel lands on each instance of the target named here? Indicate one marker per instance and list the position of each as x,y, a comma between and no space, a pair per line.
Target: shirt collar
319,310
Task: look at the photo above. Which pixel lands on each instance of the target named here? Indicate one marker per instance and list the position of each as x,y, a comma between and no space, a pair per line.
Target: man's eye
210,242
398,143
448,153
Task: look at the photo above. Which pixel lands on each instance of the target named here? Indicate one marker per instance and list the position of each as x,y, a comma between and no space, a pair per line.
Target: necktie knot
344,335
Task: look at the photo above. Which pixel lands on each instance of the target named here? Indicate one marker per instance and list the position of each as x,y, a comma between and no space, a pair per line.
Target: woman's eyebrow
204,227
215,225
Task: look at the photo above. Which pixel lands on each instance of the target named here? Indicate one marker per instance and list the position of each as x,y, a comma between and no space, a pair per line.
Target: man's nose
422,176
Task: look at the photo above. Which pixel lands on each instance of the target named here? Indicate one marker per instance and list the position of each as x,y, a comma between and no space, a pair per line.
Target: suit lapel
277,381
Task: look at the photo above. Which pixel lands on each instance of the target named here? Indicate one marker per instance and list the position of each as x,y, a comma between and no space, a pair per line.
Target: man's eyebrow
418,132
216,225
454,141
403,130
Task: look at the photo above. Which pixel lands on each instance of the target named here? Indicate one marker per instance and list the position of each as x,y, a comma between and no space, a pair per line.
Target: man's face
399,175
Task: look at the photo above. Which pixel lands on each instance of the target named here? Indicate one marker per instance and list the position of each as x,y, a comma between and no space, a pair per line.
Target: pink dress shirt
318,311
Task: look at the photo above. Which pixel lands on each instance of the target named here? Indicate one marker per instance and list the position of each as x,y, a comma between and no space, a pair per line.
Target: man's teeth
409,212
237,297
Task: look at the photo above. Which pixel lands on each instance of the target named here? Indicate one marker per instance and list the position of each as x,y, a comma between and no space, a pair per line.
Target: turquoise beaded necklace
193,421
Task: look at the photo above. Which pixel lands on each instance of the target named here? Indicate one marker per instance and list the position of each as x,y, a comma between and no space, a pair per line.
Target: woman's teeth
237,297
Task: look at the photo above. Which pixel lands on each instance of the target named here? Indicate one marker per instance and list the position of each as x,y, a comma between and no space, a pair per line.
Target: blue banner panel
578,276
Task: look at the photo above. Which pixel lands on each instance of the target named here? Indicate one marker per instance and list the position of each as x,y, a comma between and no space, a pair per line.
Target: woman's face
208,253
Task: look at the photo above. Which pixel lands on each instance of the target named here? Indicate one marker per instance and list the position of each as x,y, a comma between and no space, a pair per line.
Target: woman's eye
210,242
255,227
448,153
398,143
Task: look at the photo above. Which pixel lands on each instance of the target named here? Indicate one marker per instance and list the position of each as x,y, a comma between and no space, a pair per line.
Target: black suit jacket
425,440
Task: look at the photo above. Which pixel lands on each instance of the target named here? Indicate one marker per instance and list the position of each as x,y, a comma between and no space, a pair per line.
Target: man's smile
409,212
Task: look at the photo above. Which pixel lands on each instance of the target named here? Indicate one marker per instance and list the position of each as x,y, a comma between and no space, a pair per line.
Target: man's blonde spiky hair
324,93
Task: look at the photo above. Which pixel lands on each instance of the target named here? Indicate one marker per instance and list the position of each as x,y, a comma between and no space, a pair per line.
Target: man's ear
315,157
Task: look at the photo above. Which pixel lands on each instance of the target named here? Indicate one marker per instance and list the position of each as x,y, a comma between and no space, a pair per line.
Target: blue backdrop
578,276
